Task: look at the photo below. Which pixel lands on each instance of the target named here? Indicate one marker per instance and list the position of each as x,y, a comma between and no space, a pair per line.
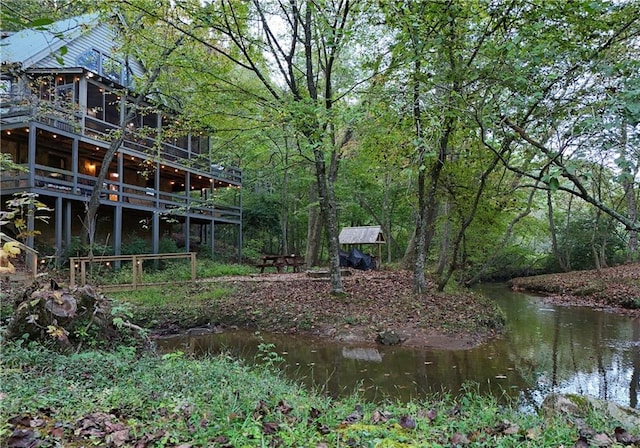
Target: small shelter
355,236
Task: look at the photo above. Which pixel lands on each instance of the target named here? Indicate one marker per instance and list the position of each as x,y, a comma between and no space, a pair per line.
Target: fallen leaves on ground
357,428
615,288
374,301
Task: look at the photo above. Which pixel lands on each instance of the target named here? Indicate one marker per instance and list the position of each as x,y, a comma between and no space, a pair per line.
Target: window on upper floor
90,60
67,90
112,70
5,88
107,66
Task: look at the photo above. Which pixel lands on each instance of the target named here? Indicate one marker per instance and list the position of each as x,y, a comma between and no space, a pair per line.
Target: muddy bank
373,303
615,289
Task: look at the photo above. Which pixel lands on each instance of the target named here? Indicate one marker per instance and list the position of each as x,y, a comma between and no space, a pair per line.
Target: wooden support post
139,268
134,272
83,272
72,271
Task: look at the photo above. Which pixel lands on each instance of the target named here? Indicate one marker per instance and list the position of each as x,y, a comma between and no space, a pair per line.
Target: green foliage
169,295
209,268
515,261
19,14
253,249
76,248
267,355
19,209
168,245
261,220
578,238
135,246
173,399
473,66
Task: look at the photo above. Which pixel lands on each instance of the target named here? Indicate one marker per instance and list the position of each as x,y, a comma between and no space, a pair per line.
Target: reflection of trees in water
634,386
559,349
571,349
580,350
598,351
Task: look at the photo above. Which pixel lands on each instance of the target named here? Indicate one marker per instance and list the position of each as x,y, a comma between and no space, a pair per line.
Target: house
60,101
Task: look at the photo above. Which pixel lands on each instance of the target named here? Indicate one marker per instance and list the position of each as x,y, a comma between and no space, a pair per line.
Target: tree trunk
427,200
314,228
446,239
409,257
628,185
455,248
554,236
386,217
329,210
91,208
595,244
284,206
632,212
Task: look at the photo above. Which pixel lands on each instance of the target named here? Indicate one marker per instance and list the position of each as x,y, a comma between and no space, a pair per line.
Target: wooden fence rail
79,265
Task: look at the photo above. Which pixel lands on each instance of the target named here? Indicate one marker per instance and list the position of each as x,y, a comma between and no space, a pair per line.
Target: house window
112,69
65,94
90,60
5,89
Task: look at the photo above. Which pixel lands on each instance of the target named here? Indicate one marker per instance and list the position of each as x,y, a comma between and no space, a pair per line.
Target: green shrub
167,245
135,246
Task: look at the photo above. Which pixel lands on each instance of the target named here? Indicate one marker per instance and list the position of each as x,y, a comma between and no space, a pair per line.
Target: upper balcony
83,104
59,165
75,118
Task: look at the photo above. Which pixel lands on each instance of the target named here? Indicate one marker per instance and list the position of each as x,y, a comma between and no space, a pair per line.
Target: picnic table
280,262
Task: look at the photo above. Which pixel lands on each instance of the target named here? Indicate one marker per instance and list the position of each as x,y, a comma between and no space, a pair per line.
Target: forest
489,139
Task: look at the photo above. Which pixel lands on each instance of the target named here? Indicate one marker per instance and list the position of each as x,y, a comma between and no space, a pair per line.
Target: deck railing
15,108
65,183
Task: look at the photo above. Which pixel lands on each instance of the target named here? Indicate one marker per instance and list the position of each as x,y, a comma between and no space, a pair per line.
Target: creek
545,348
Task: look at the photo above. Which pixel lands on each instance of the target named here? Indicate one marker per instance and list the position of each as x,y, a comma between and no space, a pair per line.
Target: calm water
546,348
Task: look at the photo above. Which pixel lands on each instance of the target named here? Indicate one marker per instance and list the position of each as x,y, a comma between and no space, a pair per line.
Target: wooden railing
76,121
65,183
78,267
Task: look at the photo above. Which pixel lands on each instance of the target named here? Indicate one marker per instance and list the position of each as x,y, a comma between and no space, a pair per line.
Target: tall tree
550,77
299,52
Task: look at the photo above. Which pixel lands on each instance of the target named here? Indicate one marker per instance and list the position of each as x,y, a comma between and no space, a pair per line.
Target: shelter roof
361,235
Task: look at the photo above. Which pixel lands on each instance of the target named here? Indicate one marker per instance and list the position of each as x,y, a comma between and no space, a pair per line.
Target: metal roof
28,46
361,235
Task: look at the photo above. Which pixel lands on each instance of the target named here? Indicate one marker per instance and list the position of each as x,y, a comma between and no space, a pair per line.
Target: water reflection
545,349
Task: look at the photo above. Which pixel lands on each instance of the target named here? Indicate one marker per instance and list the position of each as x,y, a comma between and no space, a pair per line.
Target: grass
169,295
165,271
93,398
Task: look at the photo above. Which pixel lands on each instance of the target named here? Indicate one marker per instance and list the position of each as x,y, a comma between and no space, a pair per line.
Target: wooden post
72,271
139,269
83,272
193,266
134,272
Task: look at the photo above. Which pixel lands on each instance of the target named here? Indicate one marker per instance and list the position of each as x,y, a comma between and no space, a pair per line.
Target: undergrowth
120,399
160,271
